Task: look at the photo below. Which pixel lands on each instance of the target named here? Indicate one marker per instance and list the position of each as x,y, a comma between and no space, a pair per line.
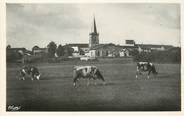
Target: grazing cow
145,67
86,72
31,71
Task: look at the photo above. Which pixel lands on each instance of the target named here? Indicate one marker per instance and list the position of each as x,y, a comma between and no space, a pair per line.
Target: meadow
122,92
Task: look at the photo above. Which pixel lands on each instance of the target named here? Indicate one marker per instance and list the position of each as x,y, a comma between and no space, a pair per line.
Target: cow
31,71
146,67
86,72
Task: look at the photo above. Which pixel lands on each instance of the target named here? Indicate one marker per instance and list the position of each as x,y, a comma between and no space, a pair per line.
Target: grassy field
123,92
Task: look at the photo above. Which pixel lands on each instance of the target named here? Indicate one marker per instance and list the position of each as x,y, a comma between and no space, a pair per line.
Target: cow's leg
88,81
22,75
148,76
74,84
137,73
76,78
74,81
32,76
94,81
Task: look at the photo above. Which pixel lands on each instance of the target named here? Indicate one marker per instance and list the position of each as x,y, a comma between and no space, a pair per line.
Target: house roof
80,45
97,46
153,46
126,46
24,49
39,48
174,49
116,47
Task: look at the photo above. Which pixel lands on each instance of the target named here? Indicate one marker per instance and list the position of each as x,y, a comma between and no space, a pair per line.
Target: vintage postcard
107,57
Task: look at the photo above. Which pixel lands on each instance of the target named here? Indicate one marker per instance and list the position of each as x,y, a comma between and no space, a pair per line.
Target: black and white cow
145,67
86,72
29,71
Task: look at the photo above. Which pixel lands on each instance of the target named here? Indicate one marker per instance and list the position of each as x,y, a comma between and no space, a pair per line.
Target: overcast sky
38,24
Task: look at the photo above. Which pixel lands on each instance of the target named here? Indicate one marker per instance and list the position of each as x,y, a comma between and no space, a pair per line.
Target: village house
151,47
17,54
108,50
79,49
39,52
16,50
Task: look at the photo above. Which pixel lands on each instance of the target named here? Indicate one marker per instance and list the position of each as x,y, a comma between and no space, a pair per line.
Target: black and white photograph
93,57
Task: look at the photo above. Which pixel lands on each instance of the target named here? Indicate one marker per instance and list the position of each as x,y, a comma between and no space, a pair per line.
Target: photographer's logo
14,108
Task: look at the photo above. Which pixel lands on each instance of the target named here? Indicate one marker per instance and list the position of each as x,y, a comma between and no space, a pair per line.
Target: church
95,49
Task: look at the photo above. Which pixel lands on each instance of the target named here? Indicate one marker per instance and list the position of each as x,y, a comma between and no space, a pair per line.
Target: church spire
94,35
95,29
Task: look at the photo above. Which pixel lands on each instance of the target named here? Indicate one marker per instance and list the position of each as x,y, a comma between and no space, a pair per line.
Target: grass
123,92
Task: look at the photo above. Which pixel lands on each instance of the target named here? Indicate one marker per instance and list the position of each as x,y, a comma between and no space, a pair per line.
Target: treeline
172,55
59,50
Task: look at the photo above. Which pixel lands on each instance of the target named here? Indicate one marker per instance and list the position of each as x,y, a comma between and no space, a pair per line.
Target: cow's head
37,75
154,70
99,75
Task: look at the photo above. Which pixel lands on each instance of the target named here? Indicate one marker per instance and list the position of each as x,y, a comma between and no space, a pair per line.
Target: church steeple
95,29
94,35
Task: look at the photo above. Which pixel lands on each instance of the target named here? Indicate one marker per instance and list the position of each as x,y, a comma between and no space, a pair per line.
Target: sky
38,24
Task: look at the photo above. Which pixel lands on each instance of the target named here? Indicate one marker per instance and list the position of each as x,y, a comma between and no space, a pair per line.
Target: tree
68,51
81,52
60,51
8,47
51,49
